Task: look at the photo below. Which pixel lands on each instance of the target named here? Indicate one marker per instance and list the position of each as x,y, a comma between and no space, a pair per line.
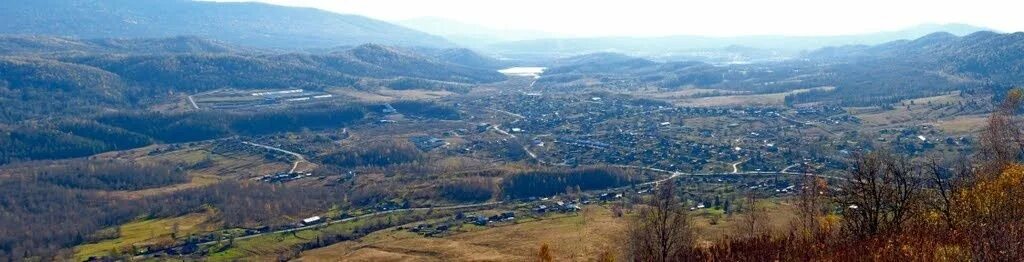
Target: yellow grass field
145,232
918,113
963,124
581,237
571,238
729,99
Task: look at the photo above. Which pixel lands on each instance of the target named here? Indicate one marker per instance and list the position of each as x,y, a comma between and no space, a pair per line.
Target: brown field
571,238
224,166
388,95
727,100
581,237
919,113
963,124
680,94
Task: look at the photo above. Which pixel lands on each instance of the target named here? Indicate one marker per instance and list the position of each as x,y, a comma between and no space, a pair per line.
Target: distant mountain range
862,74
21,45
470,35
245,24
716,49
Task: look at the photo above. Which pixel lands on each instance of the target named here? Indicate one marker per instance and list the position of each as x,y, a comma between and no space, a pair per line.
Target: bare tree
753,219
811,206
662,230
1002,142
944,182
881,195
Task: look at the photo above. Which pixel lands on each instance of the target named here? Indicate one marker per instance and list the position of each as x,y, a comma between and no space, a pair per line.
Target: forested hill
98,79
863,75
50,45
248,24
987,56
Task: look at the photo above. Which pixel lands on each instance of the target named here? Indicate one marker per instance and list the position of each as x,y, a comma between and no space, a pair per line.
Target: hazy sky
703,17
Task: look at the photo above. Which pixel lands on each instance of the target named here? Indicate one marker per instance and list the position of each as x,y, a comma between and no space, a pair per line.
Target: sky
579,18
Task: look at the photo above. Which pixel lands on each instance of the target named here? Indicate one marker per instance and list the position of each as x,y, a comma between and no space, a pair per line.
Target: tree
662,230
1003,141
753,220
882,194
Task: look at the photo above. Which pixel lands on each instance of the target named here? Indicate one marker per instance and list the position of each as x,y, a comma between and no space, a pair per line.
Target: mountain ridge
247,24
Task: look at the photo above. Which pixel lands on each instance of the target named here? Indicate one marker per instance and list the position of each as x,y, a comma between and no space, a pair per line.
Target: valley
181,130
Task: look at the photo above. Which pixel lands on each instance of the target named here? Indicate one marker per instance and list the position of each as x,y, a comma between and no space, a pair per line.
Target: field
388,95
680,98
248,99
929,110
580,237
220,166
147,232
970,124
572,237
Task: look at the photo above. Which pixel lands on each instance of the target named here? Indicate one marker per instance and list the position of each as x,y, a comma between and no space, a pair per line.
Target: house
312,220
480,221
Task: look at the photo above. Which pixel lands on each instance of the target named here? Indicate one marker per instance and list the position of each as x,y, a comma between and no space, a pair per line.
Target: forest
549,183
30,209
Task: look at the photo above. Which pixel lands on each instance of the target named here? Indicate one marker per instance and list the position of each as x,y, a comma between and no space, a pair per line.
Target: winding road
295,165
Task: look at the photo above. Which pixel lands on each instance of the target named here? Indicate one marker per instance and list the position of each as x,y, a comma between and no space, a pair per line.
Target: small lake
523,71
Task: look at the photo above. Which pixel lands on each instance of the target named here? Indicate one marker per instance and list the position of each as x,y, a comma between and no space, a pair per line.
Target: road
193,102
295,165
736,167
503,132
361,217
508,113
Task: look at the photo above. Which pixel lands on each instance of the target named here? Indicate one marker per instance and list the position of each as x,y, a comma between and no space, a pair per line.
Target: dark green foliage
378,154
426,110
114,138
471,189
171,128
548,183
188,127
36,143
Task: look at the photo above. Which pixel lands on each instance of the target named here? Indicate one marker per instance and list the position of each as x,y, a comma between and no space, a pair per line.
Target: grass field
581,237
571,238
727,99
929,110
963,124
388,95
146,232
